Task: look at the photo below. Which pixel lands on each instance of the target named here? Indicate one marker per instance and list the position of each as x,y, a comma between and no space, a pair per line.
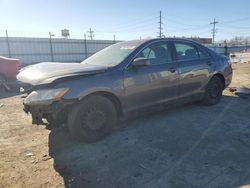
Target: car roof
143,41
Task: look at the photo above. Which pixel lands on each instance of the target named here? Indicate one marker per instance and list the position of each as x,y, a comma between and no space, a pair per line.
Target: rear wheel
92,119
214,91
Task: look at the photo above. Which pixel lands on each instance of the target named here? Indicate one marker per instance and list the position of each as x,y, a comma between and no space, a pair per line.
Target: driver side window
157,53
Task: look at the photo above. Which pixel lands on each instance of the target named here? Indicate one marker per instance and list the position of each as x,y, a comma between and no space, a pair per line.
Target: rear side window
202,54
186,51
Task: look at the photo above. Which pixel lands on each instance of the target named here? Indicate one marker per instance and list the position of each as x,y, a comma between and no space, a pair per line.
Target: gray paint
44,73
139,87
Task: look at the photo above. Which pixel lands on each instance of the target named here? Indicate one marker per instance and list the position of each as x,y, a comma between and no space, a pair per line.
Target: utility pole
85,46
214,29
91,36
8,42
160,26
51,47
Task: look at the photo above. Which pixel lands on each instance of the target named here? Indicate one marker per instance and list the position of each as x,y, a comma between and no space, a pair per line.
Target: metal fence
34,50
230,49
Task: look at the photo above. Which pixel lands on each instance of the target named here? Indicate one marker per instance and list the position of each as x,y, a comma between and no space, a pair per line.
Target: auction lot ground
188,146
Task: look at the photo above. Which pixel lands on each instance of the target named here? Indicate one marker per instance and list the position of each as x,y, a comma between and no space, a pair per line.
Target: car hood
45,73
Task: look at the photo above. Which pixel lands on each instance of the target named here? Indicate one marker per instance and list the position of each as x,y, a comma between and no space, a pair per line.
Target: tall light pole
51,47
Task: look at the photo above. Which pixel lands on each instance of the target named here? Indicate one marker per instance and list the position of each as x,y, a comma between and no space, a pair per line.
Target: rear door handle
172,69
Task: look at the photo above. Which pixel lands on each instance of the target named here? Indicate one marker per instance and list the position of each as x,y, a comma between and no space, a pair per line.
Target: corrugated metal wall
34,50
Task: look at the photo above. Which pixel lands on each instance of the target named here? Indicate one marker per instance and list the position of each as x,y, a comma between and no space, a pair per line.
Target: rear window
186,51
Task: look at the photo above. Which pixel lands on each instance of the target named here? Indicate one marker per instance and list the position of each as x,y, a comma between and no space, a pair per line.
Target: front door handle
172,69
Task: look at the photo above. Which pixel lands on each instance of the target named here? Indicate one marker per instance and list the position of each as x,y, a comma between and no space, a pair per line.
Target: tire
213,91
92,119
59,121
52,122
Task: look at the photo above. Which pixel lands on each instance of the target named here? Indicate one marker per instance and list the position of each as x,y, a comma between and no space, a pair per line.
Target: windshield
112,55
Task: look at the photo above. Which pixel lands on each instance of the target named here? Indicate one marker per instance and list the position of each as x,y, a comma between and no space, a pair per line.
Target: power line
189,28
214,29
237,20
233,26
184,23
134,23
236,33
204,32
136,27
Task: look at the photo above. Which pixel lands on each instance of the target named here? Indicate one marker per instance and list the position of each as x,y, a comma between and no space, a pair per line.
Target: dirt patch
188,146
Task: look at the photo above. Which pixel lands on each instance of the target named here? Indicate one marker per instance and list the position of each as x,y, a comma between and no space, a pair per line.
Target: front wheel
213,91
92,119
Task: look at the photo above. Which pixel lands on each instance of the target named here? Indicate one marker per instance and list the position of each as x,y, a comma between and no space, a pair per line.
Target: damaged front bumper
47,103
55,110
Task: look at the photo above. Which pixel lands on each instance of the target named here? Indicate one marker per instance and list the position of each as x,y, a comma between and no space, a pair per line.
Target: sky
125,19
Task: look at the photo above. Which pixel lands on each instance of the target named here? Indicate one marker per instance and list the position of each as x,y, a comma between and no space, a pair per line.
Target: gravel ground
188,146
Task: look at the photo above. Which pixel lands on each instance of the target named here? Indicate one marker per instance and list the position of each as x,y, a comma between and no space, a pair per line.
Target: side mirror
140,62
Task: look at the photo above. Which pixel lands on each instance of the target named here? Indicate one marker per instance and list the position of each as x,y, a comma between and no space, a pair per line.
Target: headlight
45,96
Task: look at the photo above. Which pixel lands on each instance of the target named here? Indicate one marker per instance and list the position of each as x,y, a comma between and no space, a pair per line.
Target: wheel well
221,77
113,98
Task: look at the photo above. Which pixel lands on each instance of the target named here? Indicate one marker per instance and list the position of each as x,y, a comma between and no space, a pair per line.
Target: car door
152,84
194,65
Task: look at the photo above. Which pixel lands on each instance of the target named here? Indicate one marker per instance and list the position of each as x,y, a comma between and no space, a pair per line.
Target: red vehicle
8,70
